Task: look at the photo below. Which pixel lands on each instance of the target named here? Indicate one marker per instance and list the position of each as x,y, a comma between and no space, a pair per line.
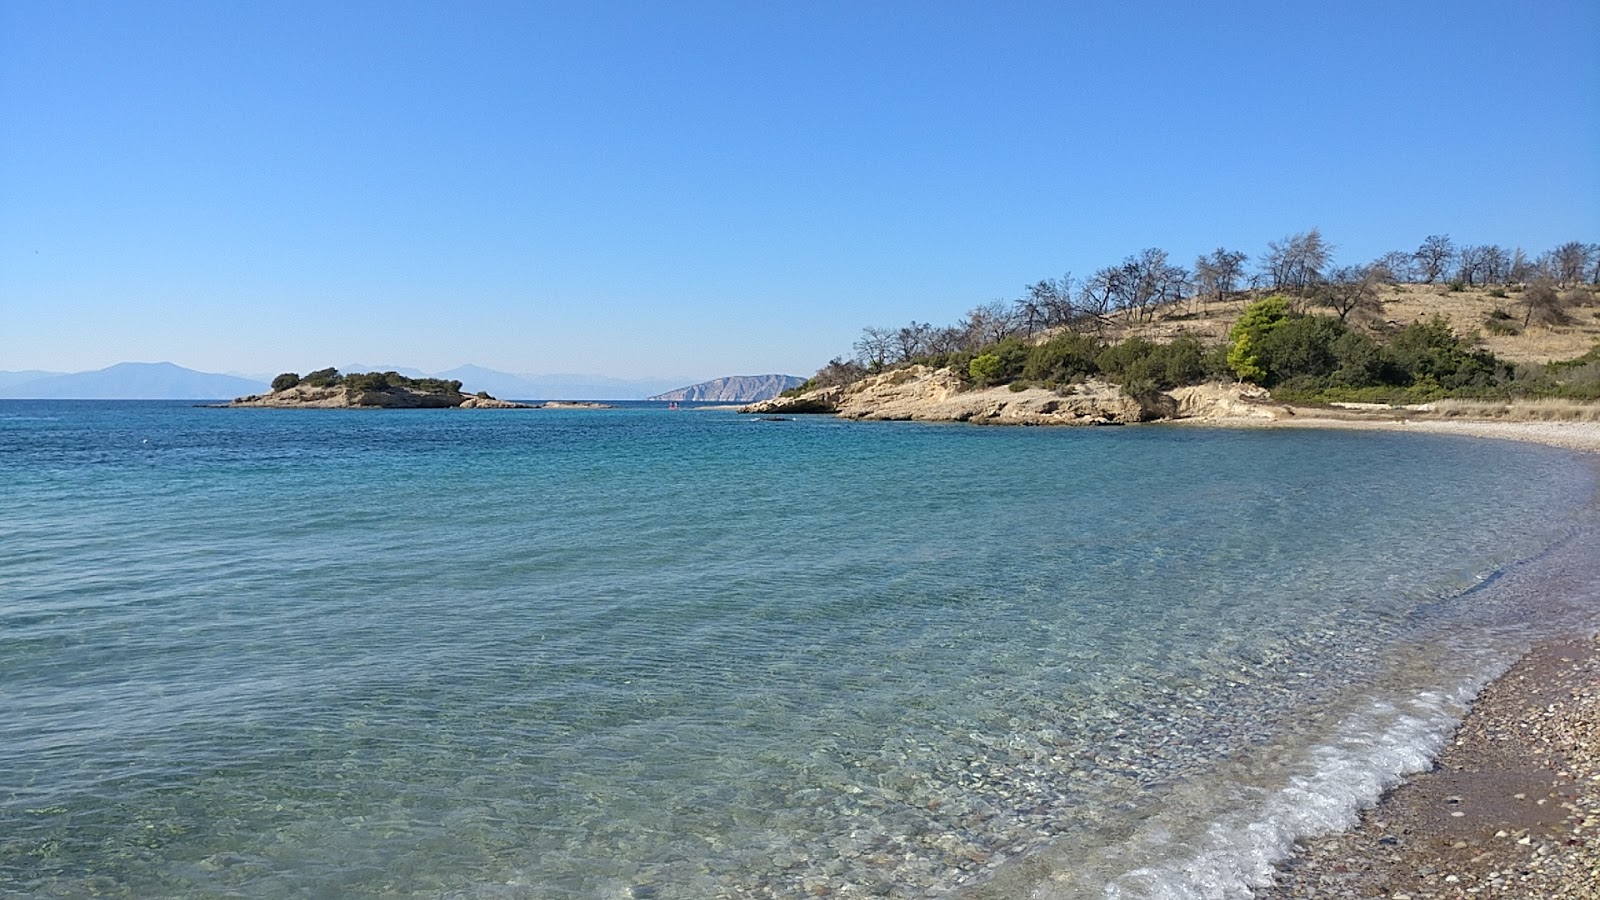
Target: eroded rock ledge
925,394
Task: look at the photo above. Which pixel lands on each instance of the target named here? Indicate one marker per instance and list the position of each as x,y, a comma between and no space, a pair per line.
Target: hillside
734,389
1467,311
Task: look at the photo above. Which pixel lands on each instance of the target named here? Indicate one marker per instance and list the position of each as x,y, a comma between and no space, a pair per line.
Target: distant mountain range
735,389
165,381
128,381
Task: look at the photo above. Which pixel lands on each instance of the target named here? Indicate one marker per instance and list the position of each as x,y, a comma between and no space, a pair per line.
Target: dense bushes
1319,357
1142,366
321,378
1000,363
1064,358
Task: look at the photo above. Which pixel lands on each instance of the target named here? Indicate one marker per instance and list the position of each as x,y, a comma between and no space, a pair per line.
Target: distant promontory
734,389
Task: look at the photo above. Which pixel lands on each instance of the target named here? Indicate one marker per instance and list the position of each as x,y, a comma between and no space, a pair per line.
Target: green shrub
1141,366
1360,360
371,381
285,381
1431,353
985,368
1065,357
999,363
322,378
1244,339
1499,321
1456,286
1300,347
1243,360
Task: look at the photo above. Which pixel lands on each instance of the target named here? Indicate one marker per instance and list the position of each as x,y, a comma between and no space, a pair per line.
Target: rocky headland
734,389
921,393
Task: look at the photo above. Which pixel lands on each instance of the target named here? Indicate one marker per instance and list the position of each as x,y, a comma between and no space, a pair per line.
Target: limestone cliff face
936,395
342,397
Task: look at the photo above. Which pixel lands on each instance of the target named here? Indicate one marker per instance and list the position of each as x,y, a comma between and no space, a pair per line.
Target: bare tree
1433,257
990,323
1472,264
1570,262
948,339
1029,310
1147,281
1522,270
1059,308
1217,274
1275,264
1098,296
1050,300
874,346
1296,263
1496,264
1349,288
1393,267
911,341
838,371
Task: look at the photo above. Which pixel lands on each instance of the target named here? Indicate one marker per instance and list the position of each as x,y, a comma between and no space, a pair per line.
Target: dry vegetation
1468,311
1548,409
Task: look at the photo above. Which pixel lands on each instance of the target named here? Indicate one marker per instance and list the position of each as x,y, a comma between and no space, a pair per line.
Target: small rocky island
329,389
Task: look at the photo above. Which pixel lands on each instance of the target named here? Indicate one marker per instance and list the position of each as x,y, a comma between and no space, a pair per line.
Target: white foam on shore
1325,792
1218,838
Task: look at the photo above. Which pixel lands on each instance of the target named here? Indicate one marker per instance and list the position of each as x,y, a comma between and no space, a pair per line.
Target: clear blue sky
698,189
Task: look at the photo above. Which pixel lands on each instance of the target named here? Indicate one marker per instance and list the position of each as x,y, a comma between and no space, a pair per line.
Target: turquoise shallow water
641,653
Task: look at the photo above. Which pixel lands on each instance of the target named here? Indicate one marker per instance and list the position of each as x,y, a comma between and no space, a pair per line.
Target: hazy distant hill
165,381
134,381
7,379
735,389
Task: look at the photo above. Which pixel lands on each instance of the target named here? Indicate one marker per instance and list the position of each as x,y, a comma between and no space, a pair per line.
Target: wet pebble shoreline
1512,808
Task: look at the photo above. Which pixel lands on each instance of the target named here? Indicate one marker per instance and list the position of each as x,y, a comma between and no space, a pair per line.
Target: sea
684,653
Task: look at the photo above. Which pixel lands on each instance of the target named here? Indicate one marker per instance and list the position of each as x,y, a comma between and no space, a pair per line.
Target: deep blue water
642,653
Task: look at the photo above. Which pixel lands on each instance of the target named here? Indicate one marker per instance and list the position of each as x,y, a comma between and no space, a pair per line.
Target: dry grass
1466,311
1544,410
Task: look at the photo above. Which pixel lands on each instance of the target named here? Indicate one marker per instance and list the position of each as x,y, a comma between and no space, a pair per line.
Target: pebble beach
1512,806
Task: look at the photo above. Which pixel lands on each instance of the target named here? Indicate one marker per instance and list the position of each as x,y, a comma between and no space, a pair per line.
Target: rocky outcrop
304,396
938,395
1226,401
484,401
735,389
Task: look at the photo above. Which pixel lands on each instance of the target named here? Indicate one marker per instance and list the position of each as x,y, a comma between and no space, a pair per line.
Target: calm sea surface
648,654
